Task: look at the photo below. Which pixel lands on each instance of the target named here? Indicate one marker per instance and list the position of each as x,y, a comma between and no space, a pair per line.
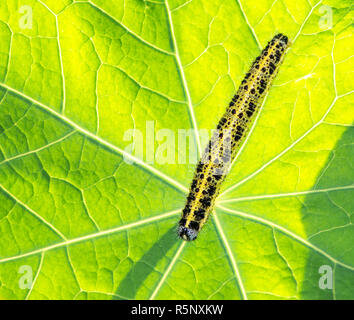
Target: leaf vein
94,235
286,232
100,140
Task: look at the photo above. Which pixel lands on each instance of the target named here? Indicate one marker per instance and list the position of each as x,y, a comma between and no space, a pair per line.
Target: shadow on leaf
328,223
142,268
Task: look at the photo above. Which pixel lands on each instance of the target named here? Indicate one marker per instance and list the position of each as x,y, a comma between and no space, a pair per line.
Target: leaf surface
91,225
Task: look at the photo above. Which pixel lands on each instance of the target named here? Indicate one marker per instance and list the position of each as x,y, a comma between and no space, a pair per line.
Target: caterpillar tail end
187,234
283,38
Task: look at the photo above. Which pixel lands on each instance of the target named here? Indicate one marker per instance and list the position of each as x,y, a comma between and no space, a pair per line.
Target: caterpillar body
227,139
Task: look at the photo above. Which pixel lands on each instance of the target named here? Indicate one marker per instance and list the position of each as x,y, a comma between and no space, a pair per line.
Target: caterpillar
228,138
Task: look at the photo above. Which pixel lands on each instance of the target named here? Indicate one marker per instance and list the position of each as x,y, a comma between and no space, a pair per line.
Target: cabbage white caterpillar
227,139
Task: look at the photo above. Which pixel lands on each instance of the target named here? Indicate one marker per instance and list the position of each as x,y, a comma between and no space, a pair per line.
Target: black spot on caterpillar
227,139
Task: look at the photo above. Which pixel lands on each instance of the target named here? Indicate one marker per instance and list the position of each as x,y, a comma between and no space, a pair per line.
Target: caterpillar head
187,234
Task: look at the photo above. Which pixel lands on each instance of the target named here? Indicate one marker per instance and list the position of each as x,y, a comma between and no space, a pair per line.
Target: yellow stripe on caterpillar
228,138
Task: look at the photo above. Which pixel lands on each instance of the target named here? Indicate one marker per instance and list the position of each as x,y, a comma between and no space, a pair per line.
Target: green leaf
75,76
